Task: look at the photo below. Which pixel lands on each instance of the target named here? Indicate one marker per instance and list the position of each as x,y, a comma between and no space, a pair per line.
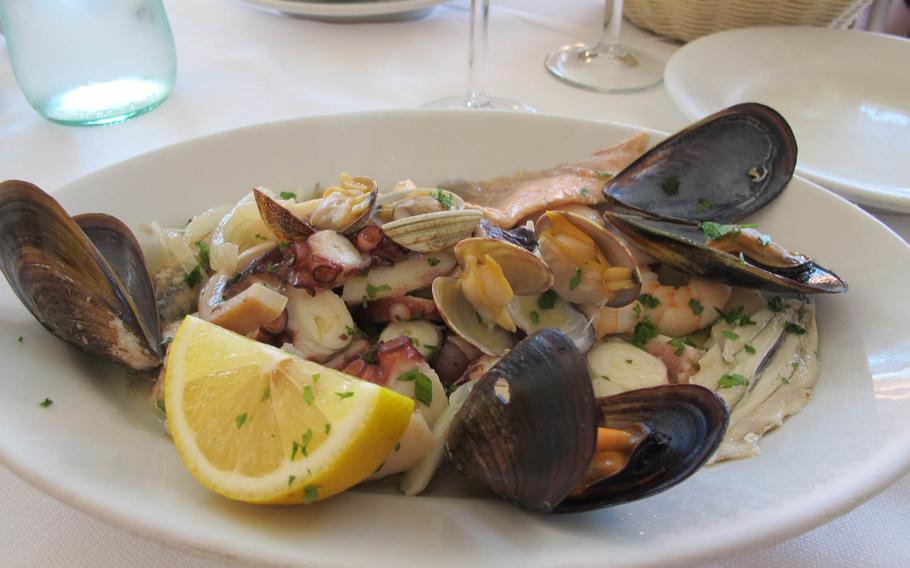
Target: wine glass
607,65
477,96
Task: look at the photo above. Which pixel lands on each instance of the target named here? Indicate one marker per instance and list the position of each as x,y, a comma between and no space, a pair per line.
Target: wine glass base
478,103
607,69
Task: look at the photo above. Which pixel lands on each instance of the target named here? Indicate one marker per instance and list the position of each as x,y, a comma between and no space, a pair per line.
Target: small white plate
845,93
99,448
351,11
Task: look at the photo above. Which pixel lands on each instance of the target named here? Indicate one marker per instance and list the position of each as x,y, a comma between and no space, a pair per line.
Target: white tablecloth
238,66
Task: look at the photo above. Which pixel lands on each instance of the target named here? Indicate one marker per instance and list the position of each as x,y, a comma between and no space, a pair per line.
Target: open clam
528,431
426,220
345,208
85,279
475,305
722,168
590,264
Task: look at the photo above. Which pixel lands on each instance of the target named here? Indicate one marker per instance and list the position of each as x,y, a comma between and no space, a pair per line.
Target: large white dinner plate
100,449
844,92
350,11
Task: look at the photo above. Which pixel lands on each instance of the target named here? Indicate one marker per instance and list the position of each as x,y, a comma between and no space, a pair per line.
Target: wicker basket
689,19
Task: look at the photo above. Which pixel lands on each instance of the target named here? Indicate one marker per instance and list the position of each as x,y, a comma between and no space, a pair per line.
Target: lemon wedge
256,424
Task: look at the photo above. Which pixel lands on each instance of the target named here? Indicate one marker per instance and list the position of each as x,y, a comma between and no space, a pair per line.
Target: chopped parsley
423,389
603,175
785,380
444,198
272,267
291,479
736,316
345,394
670,184
203,252
731,380
679,345
161,405
749,349
328,428
260,237
576,280
305,442
288,195
45,403
730,335
606,378
308,395
649,301
266,394
584,192
791,327
637,309
703,205
547,300
194,277
316,377
353,331
240,420
372,291
776,304
629,361
714,231
310,494
535,317
370,358
432,260
644,332
21,338
397,446
795,364
696,306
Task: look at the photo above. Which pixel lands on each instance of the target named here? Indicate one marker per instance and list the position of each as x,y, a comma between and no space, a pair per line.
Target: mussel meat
84,279
528,431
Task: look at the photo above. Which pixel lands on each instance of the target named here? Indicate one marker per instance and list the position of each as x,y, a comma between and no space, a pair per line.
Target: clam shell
611,246
69,286
433,232
284,224
527,274
460,317
532,448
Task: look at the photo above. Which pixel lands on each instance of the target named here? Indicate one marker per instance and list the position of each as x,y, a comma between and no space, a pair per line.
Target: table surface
239,65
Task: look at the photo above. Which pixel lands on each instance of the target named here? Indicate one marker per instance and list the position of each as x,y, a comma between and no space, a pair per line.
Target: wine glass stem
478,72
612,24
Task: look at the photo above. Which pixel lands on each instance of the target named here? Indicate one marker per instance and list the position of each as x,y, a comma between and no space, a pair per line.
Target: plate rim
888,467
864,194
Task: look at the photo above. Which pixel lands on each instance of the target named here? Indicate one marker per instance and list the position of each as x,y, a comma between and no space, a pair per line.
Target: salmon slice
507,200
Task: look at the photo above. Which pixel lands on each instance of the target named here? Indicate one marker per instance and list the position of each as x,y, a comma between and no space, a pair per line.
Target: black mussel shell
117,244
519,236
681,245
684,424
722,168
68,285
532,448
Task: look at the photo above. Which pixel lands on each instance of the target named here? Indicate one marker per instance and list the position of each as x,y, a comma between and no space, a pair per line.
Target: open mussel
727,253
722,168
85,279
529,431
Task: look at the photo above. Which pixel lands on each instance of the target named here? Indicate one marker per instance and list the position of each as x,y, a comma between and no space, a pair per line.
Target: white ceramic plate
844,92
99,448
351,11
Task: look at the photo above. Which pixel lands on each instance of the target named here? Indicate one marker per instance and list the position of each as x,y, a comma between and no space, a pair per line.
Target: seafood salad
571,338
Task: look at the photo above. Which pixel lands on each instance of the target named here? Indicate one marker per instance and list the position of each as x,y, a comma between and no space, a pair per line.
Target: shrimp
674,311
